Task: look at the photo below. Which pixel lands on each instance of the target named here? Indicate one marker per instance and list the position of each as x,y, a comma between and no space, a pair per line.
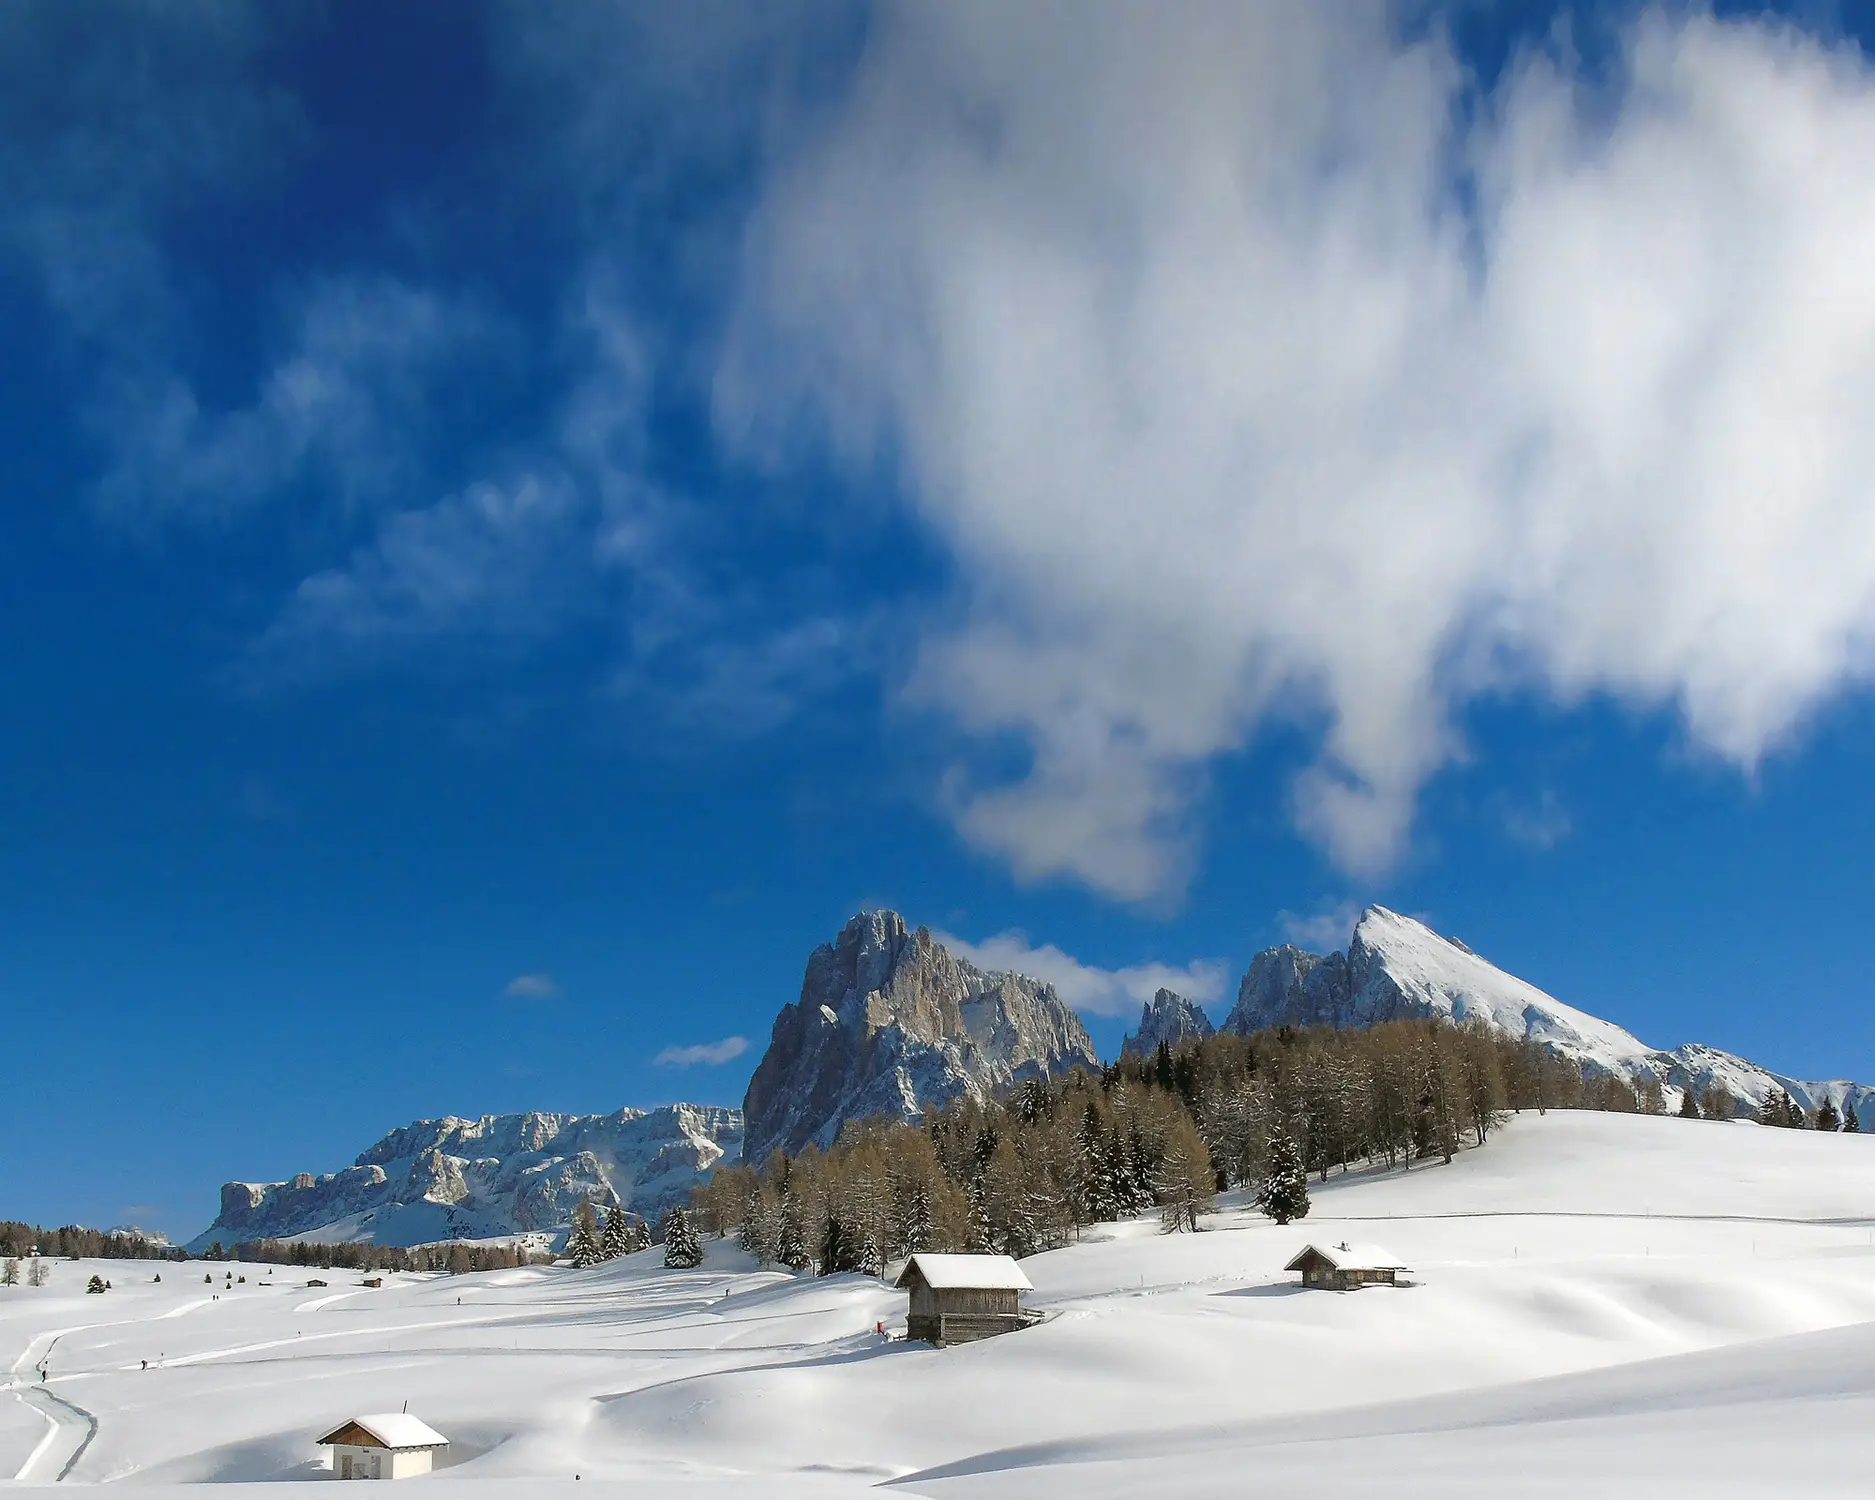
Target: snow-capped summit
890,1020
1170,1018
1396,968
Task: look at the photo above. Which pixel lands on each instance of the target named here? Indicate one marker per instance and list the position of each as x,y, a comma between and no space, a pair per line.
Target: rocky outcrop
1397,968
1168,1018
889,1020
490,1178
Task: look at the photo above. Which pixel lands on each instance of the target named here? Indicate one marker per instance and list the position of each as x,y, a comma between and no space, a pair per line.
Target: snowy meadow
1599,1304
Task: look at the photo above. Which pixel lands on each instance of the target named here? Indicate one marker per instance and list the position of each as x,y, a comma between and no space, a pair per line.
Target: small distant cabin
1341,1268
958,1298
390,1445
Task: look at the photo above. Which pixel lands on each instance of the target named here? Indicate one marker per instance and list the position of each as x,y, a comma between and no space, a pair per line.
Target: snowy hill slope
1396,967
1602,1304
491,1178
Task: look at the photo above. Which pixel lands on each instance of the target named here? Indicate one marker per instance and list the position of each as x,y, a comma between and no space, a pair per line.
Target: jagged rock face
1168,1018
889,1020
498,1176
1397,969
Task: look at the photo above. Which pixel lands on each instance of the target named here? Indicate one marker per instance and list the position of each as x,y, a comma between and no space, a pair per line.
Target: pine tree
616,1240
1850,1124
683,1251
835,1254
96,1284
38,1273
582,1245
791,1242
1826,1116
1689,1106
10,1271
1284,1195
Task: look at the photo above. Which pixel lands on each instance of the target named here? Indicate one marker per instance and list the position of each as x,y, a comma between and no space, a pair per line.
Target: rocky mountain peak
1398,968
1170,1018
890,1020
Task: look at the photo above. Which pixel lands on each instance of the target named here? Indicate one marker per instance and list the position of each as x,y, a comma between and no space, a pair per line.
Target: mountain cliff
1396,968
490,1178
1168,1018
889,1020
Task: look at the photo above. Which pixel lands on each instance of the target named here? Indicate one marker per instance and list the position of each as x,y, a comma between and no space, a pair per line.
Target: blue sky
522,519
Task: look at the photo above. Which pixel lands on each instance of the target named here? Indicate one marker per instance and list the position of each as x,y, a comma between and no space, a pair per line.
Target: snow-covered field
1601,1305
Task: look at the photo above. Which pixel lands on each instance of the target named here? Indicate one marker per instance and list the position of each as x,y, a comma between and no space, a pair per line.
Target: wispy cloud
1320,931
1100,992
1542,825
532,987
498,562
703,1054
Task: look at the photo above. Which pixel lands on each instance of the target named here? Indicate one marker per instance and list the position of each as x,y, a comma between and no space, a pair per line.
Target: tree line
454,1257
1163,1133
18,1240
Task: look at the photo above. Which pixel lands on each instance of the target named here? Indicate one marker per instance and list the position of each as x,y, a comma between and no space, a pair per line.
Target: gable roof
987,1272
1346,1257
395,1429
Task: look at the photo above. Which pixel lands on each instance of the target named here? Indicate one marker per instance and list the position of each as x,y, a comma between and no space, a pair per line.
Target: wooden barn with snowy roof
1342,1267
958,1298
386,1445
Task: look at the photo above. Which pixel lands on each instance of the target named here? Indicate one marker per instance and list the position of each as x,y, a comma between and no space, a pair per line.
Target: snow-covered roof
989,1272
1346,1257
393,1429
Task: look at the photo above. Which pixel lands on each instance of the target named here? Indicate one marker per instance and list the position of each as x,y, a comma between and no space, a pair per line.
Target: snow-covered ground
1601,1305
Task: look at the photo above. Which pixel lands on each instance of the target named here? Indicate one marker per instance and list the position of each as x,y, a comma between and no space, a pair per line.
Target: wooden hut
957,1298
388,1445
1342,1267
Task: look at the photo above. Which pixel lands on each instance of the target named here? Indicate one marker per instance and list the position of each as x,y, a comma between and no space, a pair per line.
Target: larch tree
1187,1182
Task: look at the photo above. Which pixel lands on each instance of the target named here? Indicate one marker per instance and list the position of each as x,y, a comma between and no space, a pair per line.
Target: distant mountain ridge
1170,1018
489,1178
1395,968
890,1020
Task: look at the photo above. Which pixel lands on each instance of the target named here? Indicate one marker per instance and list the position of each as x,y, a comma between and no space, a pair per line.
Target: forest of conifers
1165,1132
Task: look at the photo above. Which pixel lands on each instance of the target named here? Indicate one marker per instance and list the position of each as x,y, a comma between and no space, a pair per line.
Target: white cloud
1322,931
1100,992
1228,404
703,1054
532,987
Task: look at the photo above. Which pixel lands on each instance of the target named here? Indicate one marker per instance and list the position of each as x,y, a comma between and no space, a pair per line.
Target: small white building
1343,1267
389,1445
